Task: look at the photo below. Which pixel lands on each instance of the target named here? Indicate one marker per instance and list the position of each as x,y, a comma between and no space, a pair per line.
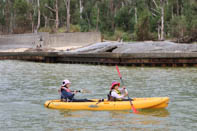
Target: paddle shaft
132,107
77,91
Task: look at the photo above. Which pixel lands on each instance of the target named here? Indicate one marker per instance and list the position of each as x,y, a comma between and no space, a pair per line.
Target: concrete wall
18,41
133,59
48,40
74,39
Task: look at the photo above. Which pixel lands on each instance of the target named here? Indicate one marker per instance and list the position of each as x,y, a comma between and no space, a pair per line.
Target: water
25,86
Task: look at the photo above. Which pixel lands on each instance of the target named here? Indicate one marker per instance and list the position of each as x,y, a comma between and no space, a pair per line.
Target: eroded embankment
132,59
159,54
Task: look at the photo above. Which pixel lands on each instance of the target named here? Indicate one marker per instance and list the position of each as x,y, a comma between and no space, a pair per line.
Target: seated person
67,94
117,94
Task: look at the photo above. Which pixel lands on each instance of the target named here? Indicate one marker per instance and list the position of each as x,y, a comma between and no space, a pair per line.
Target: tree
22,12
142,28
67,2
2,16
158,9
38,24
55,10
81,8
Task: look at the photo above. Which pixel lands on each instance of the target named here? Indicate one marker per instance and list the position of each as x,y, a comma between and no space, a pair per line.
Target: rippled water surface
25,86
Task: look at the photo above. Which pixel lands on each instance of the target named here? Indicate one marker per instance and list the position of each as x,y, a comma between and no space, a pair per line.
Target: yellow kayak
138,103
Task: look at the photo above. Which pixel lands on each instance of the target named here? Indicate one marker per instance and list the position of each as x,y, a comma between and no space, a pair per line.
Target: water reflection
76,114
117,114
121,120
155,112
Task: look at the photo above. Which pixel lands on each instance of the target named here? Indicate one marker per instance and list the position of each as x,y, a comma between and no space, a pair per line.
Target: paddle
132,107
82,91
79,91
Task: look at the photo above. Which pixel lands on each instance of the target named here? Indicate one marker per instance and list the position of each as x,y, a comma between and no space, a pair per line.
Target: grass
73,28
118,35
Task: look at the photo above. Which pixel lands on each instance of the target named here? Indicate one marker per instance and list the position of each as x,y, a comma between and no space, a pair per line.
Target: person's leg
81,100
127,100
63,97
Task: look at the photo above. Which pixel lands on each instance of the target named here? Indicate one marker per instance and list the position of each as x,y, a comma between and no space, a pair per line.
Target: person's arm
70,95
62,87
124,91
59,90
114,94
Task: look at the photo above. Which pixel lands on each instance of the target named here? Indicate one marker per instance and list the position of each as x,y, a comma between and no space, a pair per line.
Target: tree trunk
177,7
7,16
112,14
88,21
162,19
57,16
155,3
38,24
135,15
81,8
158,32
172,12
45,21
67,2
32,23
11,22
97,19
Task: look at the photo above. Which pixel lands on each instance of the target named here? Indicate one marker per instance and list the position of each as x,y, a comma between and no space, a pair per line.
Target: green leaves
21,7
127,19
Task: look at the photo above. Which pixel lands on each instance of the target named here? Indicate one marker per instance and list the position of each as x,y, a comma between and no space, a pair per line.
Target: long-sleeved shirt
116,95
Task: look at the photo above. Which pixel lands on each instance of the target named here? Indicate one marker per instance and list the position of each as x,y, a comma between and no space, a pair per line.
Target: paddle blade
84,91
134,110
132,106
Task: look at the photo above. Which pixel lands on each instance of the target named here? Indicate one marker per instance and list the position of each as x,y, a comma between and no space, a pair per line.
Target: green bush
75,28
118,35
178,26
47,29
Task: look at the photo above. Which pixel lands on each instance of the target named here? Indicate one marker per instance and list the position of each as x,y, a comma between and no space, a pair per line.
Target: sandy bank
54,49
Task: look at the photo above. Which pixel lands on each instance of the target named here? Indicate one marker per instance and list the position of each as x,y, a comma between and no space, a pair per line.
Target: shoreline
132,59
135,54
56,49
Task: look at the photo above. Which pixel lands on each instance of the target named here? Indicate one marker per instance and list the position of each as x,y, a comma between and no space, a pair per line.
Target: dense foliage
115,19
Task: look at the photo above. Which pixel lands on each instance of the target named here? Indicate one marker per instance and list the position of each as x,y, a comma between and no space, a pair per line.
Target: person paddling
67,95
117,94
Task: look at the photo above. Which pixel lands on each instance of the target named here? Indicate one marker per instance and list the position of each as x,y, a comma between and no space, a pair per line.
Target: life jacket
67,90
111,98
118,92
66,96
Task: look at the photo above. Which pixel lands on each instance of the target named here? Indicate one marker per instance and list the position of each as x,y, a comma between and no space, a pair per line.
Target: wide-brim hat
65,82
114,83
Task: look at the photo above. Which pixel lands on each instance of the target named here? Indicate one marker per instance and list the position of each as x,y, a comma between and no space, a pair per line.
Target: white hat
65,82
